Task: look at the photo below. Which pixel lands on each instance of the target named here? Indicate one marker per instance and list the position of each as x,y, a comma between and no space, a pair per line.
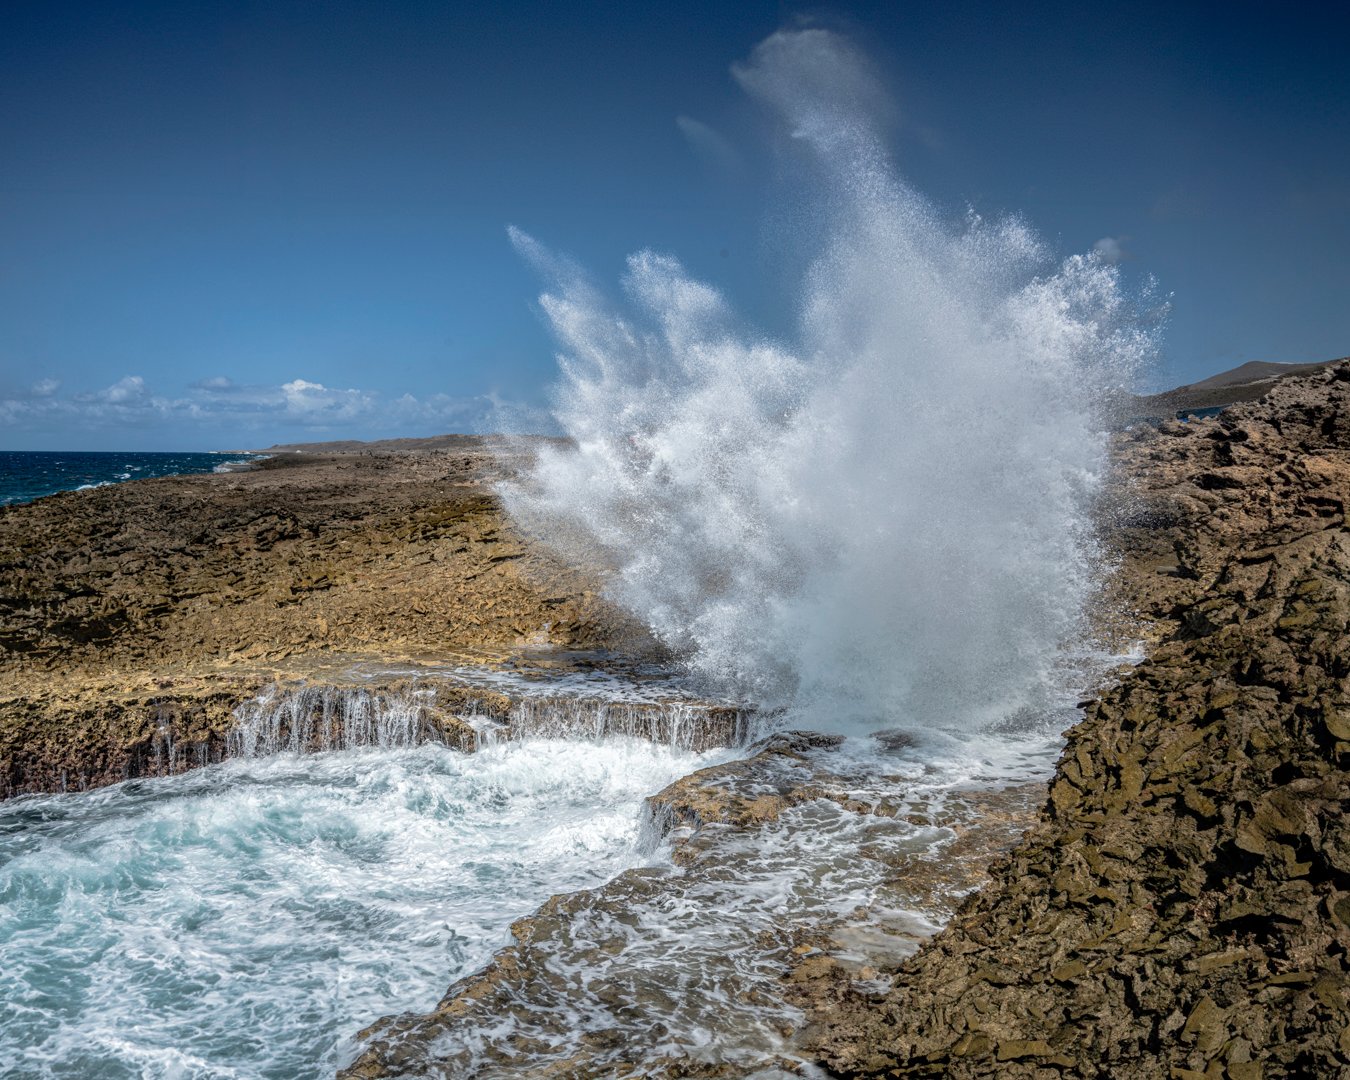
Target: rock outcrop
137,616
1182,907
1248,382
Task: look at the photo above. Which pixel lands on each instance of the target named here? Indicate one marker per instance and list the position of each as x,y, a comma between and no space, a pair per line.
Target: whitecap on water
247,919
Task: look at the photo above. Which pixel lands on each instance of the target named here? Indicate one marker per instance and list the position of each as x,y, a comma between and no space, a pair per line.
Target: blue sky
225,225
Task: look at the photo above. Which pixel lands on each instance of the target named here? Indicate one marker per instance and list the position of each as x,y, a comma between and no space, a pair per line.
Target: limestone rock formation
138,615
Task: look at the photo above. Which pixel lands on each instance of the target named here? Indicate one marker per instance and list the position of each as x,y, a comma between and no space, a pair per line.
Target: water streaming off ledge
469,710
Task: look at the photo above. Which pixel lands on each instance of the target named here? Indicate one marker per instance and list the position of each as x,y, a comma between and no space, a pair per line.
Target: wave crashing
884,520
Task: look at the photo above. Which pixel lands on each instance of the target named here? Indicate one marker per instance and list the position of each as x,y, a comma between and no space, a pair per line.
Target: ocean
26,475
247,919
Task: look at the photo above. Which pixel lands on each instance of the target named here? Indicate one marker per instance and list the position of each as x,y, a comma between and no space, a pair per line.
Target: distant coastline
28,475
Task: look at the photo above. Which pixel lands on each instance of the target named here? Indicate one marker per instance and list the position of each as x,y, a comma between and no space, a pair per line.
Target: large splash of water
887,515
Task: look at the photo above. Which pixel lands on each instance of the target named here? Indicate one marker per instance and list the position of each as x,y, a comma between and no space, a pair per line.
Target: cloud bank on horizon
216,413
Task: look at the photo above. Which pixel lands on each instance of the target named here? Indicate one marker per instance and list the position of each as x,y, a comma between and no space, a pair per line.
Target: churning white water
247,919
679,967
888,513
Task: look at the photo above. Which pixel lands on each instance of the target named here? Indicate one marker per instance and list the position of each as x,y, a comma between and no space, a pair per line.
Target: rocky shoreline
1180,905
591,988
137,617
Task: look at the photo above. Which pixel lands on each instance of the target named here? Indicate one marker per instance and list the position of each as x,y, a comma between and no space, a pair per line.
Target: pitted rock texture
1182,908
160,604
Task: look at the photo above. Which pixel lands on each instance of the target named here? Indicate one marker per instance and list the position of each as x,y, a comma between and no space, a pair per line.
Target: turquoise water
26,475
245,920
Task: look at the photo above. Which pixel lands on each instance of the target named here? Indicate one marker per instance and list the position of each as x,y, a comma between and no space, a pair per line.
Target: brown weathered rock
140,614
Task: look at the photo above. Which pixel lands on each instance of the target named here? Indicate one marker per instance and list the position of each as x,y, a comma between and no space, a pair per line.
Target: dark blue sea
26,475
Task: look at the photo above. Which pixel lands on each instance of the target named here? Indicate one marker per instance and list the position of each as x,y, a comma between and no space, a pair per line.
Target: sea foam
246,919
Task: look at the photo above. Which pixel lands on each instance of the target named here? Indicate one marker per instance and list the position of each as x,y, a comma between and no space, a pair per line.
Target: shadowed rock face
1182,908
139,615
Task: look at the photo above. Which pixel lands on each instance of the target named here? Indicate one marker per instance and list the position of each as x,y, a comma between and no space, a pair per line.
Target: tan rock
219,584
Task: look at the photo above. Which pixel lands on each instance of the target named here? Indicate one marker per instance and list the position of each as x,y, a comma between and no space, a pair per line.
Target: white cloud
299,407
127,388
306,399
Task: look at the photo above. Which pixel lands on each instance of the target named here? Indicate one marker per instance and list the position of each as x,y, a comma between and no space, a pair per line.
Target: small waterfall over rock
335,718
684,725
329,717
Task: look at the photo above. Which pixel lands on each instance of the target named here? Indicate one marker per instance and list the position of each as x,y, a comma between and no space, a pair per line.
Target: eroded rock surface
139,615
1182,907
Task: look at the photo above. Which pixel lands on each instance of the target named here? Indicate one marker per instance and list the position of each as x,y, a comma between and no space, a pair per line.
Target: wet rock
700,969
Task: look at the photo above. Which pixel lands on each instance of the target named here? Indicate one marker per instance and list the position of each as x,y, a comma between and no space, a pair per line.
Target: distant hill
434,442
1246,382
1254,371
